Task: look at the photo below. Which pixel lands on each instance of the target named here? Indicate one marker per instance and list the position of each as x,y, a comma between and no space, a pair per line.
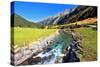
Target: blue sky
35,12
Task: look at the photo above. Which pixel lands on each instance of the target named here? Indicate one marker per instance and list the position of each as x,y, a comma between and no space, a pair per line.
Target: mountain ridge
76,14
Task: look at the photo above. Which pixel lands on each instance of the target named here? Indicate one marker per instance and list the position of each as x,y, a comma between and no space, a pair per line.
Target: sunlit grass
27,35
89,43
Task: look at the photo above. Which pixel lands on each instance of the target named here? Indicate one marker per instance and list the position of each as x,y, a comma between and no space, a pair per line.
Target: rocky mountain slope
72,15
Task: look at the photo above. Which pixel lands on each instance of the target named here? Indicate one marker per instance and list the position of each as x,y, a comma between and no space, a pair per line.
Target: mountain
54,19
72,15
80,13
18,21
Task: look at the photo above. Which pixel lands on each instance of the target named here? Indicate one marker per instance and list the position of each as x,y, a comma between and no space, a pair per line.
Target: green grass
27,35
89,44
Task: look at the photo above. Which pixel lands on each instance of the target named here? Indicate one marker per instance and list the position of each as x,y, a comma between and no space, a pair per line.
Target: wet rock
71,57
36,60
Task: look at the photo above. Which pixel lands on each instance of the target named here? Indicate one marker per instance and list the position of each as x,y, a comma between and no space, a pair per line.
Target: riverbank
74,49
53,53
23,53
84,46
89,43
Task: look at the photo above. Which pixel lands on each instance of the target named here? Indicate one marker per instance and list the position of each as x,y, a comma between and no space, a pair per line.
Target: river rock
26,52
17,56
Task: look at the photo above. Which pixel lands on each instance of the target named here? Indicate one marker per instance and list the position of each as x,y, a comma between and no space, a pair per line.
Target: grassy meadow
89,43
27,35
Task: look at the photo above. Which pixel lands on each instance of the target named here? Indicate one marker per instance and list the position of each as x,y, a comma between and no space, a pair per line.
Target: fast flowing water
52,53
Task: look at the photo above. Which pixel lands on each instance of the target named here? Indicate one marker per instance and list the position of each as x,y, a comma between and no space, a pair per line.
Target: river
52,54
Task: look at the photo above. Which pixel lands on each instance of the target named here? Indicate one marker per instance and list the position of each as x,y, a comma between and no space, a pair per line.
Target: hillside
69,16
80,13
18,21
